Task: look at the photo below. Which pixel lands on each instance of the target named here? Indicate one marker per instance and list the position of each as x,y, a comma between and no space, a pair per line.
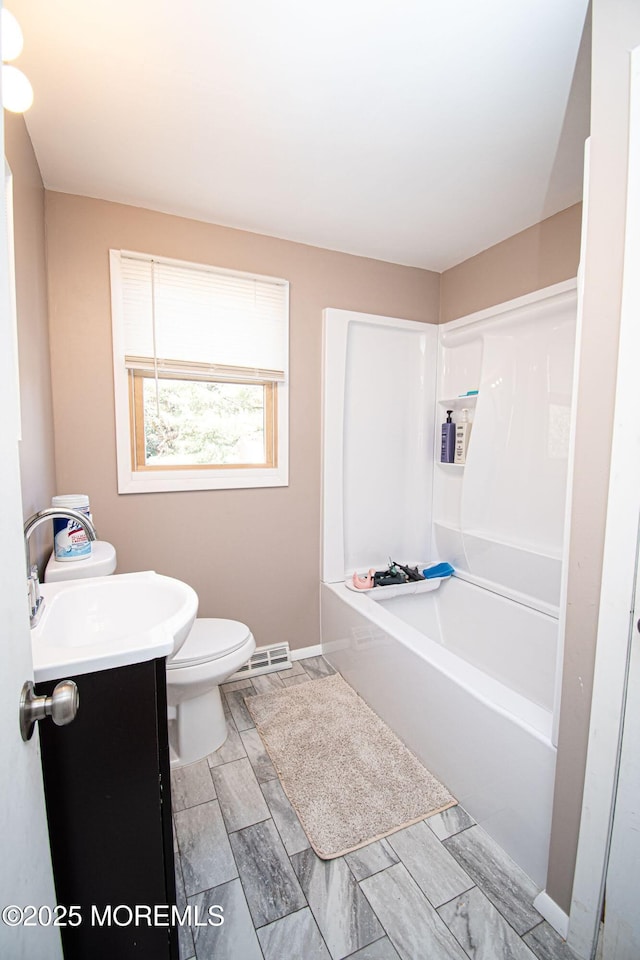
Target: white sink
95,624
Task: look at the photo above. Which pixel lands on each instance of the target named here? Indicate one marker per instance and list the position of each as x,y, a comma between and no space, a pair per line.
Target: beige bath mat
349,778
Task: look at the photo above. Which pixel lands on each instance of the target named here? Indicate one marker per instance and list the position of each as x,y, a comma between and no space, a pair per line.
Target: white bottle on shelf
463,430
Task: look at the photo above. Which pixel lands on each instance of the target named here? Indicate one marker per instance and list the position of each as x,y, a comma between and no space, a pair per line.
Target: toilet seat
209,639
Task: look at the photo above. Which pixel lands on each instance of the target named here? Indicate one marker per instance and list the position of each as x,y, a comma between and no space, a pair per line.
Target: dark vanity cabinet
108,797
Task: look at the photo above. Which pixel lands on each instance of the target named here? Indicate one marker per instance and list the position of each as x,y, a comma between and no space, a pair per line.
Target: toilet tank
101,563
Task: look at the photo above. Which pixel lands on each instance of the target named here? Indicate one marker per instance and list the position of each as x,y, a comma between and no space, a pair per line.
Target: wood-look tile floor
438,890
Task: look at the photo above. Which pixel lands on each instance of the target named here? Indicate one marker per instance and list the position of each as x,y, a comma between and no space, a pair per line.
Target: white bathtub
476,710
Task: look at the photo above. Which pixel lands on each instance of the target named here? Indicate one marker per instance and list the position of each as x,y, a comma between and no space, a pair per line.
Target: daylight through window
200,369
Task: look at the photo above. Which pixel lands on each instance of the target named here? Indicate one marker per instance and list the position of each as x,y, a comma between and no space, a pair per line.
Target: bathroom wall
250,554
37,460
537,257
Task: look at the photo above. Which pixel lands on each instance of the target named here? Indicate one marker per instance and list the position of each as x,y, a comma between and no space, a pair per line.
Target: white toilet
212,652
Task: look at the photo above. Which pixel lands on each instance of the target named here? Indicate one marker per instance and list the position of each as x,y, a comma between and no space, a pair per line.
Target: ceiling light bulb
17,92
11,36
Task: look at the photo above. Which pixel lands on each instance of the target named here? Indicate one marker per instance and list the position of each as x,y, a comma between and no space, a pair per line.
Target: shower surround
468,675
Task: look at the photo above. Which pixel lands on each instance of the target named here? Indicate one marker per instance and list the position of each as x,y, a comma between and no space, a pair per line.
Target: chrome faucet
36,601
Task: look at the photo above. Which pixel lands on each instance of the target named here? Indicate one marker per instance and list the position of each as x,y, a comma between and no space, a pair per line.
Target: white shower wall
465,676
500,518
378,475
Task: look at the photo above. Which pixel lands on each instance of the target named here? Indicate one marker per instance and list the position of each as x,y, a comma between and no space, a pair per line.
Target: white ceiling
414,131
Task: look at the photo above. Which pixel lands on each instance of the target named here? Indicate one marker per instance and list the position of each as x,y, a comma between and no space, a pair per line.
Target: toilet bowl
212,652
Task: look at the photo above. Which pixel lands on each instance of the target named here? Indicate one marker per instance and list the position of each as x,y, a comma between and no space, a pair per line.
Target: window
200,376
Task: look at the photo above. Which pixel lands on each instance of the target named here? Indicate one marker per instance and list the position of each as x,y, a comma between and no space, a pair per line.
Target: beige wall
616,30
538,257
250,554
37,462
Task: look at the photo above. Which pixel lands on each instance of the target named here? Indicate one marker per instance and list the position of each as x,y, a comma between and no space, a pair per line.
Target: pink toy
364,581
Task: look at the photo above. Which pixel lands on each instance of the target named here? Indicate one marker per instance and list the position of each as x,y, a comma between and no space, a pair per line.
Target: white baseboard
552,913
304,652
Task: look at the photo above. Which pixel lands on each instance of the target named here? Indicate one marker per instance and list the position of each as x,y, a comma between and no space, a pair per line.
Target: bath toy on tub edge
363,581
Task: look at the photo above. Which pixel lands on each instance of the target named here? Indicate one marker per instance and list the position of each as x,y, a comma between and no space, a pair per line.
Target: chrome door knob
61,706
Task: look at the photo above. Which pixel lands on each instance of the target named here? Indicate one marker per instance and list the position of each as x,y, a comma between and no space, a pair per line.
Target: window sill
167,482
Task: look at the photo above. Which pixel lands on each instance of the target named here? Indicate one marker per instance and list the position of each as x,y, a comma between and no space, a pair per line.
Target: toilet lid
210,639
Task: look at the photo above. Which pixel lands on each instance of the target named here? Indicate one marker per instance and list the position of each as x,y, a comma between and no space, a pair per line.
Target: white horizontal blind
221,321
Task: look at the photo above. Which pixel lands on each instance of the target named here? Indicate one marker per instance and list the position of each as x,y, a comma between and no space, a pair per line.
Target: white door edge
615,619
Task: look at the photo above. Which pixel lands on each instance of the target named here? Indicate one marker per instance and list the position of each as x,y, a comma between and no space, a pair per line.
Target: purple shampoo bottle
448,446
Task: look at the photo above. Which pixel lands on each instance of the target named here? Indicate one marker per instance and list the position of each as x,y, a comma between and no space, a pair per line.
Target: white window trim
160,481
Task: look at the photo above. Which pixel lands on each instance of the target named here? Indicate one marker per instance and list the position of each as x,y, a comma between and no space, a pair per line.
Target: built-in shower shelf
399,589
459,403
450,466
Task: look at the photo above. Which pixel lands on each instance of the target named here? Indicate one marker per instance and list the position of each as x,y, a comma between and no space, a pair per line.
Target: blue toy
439,570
